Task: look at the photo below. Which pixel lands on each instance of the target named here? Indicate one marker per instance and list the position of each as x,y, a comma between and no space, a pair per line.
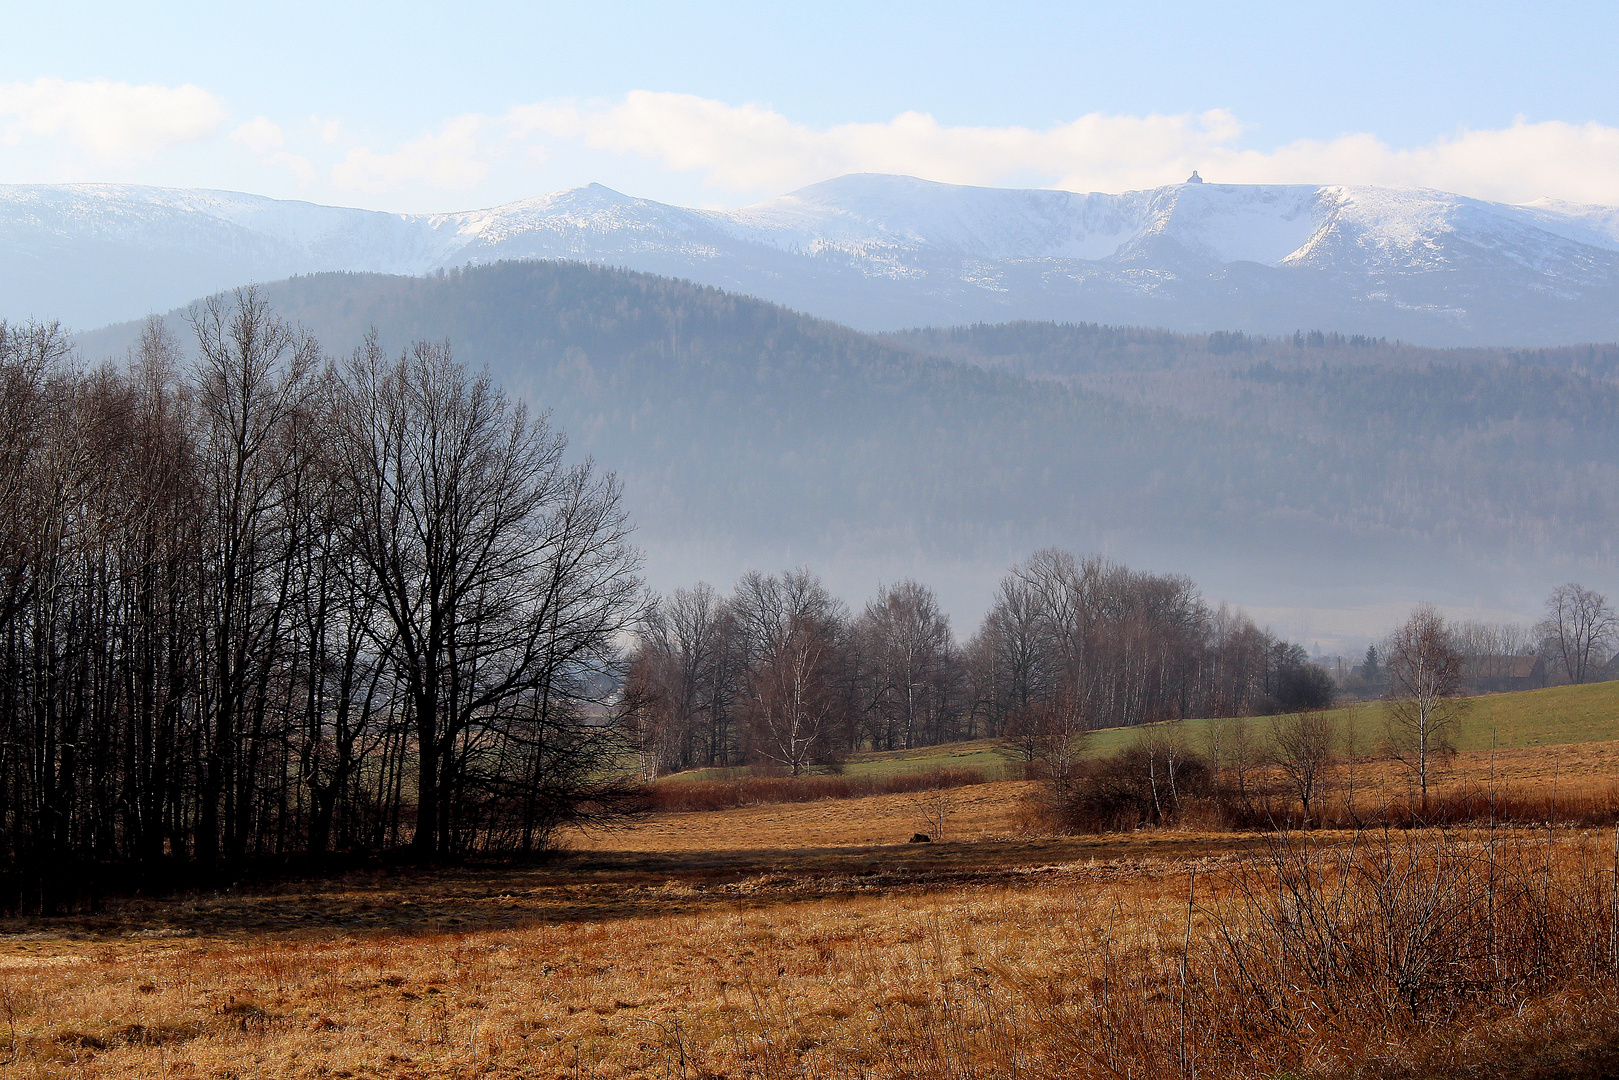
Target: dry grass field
733,961
811,940
1555,780
979,812
1080,958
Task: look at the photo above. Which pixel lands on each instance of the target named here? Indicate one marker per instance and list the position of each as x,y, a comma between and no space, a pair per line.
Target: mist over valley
1321,481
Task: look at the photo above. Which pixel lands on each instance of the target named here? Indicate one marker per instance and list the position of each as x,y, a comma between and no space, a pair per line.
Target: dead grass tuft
161,1033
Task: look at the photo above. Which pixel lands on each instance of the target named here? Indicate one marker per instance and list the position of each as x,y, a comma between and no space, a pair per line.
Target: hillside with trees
748,435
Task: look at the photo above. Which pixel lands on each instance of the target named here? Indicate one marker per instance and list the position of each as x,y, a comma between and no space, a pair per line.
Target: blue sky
413,106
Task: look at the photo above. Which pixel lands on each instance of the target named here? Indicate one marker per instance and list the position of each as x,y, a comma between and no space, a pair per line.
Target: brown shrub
1466,806
158,1034
1142,785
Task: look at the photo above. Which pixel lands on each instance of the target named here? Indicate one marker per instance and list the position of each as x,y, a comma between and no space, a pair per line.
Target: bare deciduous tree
495,566
253,384
1580,628
796,661
1425,677
906,663
1302,749
1008,666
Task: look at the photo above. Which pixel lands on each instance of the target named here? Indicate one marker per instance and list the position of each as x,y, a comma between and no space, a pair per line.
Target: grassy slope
1557,716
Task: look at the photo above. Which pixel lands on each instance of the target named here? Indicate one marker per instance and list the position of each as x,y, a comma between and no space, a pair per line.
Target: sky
420,107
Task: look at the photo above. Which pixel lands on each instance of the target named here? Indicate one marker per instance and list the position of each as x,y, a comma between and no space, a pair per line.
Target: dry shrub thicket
1317,770
1120,794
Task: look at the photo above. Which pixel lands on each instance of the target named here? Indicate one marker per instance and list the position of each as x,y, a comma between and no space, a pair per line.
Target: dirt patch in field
601,885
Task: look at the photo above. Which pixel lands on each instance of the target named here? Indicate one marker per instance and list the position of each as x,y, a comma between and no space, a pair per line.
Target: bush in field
1151,783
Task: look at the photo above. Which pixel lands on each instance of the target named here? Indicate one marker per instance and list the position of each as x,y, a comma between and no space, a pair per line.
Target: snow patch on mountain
954,253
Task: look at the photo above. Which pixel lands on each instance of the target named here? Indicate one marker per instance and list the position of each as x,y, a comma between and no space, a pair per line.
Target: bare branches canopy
267,603
1580,630
779,674
1425,680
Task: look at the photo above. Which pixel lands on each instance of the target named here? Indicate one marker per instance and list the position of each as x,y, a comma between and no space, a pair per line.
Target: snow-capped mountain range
883,252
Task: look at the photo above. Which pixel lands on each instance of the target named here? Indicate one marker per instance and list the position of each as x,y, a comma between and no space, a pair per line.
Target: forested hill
1509,454
748,435
1065,350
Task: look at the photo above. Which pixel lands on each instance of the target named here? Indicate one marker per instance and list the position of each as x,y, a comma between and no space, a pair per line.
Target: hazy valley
1322,480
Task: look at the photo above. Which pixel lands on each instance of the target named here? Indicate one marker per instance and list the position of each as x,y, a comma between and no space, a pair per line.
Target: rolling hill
1338,477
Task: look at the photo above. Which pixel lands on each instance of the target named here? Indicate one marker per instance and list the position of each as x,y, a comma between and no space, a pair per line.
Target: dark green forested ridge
721,407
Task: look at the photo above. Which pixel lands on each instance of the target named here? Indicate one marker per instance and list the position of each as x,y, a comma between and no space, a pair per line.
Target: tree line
1283,770
271,602
780,673
1058,348
1573,643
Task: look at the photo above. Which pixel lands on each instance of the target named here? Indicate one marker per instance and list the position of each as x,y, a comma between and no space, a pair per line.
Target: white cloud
751,151
260,136
451,159
263,139
1577,162
330,129
106,119
748,147
755,150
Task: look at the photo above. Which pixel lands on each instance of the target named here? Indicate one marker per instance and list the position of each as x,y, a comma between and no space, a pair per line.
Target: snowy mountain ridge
883,252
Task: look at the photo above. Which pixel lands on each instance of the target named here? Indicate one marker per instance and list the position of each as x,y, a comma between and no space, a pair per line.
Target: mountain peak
882,251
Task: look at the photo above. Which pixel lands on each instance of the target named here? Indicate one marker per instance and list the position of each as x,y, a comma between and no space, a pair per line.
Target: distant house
1490,674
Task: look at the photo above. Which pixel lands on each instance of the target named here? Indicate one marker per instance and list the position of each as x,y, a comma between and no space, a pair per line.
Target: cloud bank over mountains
750,148
58,130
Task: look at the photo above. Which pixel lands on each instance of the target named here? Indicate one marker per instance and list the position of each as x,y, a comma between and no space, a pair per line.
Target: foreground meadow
691,947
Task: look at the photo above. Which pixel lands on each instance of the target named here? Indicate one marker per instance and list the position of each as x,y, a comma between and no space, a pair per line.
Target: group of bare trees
1284,769
778,672
1574,643
1429,657
268,603
1580,631
1425,663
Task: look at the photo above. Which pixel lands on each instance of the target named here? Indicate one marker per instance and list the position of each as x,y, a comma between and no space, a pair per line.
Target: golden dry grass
978,812
600,966
1575,768
805,940
1074,971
